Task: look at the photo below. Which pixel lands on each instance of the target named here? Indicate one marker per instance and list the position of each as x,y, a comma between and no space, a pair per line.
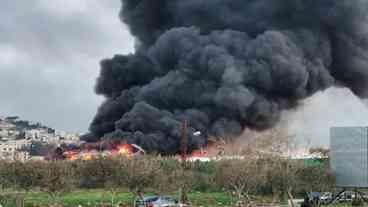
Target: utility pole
183,153
184,140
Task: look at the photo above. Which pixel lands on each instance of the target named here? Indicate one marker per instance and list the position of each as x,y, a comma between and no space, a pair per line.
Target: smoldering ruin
225,65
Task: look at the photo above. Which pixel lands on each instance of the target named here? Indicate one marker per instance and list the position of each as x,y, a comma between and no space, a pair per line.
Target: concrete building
14,149
7,129
41,135
17,136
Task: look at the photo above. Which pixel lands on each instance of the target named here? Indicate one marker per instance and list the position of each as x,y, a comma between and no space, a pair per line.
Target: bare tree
6,175
26,177
102,172
134,173
58,177
115,175
239,176
315,178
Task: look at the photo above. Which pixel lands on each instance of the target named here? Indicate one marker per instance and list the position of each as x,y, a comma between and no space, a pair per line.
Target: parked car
314,196
156,201
346,197
326,197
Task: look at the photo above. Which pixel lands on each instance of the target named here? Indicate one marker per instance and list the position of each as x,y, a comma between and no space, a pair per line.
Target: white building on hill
14,149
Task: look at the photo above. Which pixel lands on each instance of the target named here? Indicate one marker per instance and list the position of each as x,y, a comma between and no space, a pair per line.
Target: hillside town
23,140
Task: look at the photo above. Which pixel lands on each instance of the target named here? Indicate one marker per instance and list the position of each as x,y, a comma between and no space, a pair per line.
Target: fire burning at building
89,151
95,151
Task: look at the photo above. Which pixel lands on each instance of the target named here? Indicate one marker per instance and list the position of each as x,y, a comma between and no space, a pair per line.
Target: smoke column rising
226,65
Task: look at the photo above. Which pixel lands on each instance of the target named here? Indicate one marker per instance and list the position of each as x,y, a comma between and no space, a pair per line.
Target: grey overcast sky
49,60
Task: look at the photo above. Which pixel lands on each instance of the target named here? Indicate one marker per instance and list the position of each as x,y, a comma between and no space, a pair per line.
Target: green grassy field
98,197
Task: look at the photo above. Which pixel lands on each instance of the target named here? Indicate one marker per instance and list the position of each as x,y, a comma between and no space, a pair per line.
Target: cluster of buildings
18,139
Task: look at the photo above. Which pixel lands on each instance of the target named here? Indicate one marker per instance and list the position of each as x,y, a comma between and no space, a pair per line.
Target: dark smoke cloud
226,64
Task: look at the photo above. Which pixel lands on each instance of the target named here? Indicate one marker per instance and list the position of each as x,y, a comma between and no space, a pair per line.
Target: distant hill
23,125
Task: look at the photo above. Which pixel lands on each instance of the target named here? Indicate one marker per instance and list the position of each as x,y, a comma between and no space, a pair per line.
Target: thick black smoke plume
225,65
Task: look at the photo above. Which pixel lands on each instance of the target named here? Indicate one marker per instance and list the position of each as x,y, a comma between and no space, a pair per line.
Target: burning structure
225,65
127,150
100,149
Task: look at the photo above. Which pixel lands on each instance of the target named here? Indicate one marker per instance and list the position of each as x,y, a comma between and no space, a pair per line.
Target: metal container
349,156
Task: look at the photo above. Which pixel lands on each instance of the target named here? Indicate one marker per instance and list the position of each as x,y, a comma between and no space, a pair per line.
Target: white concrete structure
13,149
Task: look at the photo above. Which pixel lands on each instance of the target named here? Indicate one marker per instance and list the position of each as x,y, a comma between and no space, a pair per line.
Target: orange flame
200,153
125,150
87,156
71,155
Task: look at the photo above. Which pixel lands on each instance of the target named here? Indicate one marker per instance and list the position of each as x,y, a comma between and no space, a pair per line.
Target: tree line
240,178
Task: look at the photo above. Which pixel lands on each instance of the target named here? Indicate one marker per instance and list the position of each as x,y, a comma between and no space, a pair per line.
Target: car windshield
315,194
168,199
148,199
